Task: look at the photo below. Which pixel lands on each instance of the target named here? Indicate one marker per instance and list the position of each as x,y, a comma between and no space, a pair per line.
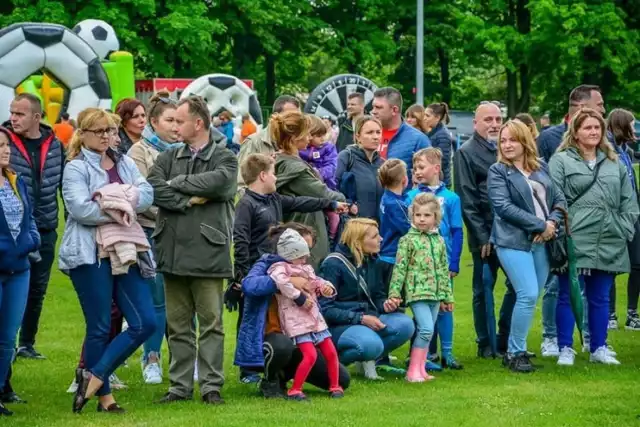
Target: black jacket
48,165
255,214
549,140
368,188
441,138
512,201
471,166
345,134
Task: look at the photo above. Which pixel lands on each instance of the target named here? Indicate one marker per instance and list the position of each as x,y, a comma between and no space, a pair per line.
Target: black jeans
479,308
281,359
40,273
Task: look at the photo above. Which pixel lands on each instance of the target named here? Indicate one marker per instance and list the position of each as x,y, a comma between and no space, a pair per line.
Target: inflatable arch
329,98
225,92
28,48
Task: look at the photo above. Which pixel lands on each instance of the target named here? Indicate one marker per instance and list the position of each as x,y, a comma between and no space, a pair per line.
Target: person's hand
391,305
327,290
452,274
444,306
353,209
485,252
538,238
342,207
195,200
549,232
232,296
308,304
372,322
302,284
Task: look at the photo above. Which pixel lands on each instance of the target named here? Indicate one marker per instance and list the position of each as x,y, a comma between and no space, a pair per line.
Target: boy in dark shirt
259,209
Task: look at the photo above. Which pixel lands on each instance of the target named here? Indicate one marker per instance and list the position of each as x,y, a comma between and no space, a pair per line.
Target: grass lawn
483,394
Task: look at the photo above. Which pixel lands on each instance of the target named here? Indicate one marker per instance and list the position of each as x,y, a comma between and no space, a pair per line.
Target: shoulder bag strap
595,178
354,273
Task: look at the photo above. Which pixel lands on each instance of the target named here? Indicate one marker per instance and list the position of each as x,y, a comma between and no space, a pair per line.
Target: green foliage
526,53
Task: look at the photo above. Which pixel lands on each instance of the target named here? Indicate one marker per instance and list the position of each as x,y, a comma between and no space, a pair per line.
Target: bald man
472,162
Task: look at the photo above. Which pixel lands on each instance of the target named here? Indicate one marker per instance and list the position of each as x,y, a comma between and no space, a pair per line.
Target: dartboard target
330,97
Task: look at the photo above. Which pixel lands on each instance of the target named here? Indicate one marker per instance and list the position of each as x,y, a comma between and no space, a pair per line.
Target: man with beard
355,109
472,162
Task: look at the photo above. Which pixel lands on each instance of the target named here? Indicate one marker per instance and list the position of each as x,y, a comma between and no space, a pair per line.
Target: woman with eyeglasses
96,276
134,120
158,136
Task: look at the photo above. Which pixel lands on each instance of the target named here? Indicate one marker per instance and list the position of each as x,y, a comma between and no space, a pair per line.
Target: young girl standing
422,274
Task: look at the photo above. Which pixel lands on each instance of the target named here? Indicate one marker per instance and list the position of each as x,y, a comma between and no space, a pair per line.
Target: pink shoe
423,369
416,364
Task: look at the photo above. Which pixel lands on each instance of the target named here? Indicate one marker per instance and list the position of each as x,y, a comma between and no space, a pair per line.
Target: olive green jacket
602,220
297,178
195,240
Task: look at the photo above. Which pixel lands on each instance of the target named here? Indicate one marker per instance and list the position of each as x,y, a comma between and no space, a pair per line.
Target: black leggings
281,359
633,292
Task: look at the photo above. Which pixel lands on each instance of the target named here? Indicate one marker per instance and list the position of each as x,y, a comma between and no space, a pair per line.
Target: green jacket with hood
602,220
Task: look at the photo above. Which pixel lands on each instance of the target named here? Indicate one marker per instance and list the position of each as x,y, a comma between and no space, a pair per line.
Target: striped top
12,207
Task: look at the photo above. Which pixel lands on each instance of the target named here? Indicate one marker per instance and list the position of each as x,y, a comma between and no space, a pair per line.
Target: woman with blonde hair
295,177
603,210
363,325
528,211
96,276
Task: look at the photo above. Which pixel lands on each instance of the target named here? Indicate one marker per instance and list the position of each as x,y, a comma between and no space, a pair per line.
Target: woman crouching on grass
18,238
262,344
93,167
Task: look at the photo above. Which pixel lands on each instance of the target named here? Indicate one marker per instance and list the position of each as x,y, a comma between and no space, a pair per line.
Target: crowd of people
323,241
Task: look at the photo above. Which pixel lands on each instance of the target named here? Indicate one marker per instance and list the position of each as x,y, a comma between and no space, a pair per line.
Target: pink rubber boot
423,369
416,364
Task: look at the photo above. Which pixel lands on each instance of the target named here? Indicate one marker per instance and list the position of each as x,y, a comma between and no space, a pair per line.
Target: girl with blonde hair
363,324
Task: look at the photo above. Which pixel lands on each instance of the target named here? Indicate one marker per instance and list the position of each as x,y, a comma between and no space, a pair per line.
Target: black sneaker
29,353
485,353
519,363
4,412
171,398
272,390
213,398
11,397
450,362
633,321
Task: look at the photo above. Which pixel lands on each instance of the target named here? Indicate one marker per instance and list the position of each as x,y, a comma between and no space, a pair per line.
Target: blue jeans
479,307
95,286
154,343
14,289
443,330
528,272
596,288
425,313
549,303
360,343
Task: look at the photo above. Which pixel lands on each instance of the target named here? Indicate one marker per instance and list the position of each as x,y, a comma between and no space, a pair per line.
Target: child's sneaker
116,383
602,355
567,356
549,347
613,321
152,374
73,387
432,366
368,370
633,321
336,394
298,396
450,362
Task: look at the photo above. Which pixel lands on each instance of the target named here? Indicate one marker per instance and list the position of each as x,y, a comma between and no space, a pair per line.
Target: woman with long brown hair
436,119
134,118
526,205
603,210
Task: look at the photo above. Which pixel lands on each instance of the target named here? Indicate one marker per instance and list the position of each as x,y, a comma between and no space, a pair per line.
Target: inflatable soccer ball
99,35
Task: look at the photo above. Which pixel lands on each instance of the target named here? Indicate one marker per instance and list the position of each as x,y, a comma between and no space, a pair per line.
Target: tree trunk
445,77
270,77
525,90
512,93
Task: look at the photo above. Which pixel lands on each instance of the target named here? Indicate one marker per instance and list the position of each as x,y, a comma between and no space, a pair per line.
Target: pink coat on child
295,319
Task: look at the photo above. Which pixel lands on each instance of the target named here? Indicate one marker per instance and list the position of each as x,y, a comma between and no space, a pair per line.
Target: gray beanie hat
291,245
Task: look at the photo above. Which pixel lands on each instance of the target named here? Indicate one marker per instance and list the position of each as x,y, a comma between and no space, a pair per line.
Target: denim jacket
515,221
82,177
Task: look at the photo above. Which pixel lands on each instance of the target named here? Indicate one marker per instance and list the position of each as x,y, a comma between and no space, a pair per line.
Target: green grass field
483,394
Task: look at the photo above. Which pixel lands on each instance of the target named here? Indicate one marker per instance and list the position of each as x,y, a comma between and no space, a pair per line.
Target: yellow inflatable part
56,94
53,111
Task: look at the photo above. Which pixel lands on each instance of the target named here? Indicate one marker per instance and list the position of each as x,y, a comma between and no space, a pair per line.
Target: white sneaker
152,374
550,348
195,372
602,355
73,387
567,356
116,383
368,370
613,323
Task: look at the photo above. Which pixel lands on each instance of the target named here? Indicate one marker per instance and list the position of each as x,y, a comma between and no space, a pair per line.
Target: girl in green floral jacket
422,274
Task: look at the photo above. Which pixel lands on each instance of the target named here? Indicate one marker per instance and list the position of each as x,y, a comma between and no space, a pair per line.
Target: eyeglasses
102,132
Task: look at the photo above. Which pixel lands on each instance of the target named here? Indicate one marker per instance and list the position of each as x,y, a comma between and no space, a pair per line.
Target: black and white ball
225,92
27,49
99,35
329,98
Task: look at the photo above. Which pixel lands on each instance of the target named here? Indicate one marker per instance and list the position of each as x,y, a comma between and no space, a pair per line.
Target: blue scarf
150,136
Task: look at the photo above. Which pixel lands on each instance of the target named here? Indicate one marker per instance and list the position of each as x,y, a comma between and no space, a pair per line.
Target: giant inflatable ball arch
27,48
329,98
225,92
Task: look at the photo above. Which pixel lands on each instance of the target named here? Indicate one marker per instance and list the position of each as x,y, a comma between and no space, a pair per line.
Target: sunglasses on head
497,103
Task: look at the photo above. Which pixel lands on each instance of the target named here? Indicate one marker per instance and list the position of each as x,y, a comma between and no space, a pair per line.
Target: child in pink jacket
300,316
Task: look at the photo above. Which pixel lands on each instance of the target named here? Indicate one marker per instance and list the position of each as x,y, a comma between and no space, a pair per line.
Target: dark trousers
633,291
40,273
479,308
281,360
